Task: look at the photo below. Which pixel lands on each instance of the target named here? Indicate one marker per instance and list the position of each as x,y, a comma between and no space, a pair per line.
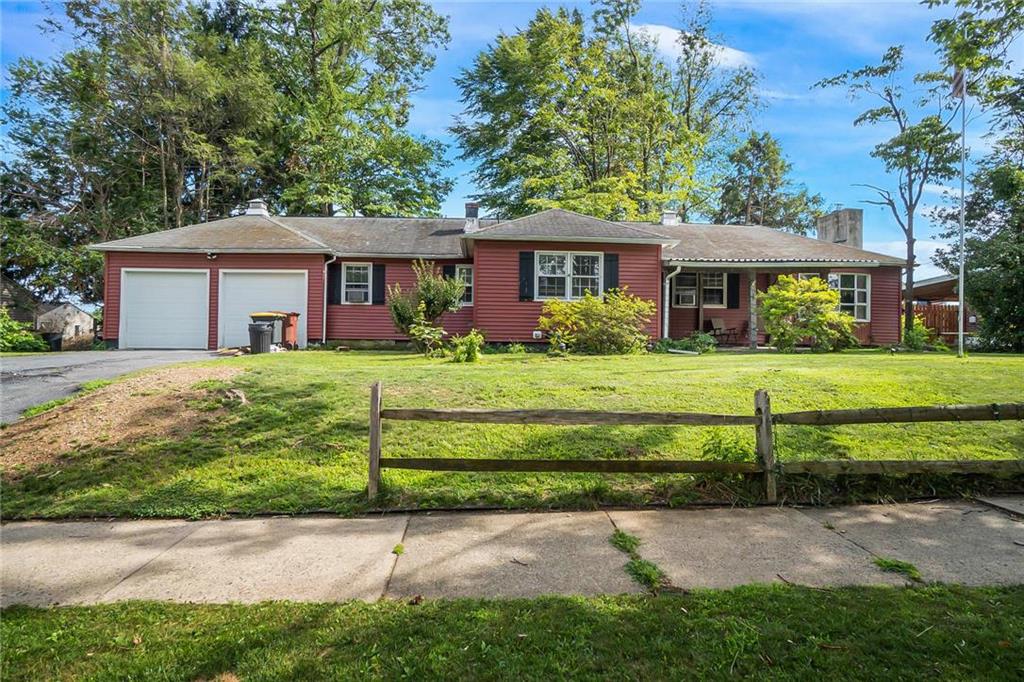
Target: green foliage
163,113
758,190
904,568
624,542
698,342
415,312
466,348
795,309
725,444
18,337
919,336
613,325
515,349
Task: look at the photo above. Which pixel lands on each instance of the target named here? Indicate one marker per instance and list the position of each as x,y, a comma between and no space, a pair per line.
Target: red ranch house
195,286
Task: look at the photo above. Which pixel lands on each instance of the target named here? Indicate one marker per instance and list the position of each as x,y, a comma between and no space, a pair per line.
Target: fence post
375,400
765,443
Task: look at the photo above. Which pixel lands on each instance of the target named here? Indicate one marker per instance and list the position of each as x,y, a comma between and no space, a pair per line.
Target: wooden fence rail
763,421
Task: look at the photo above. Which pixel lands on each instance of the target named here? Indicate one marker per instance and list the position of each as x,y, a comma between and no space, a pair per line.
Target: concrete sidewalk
501,554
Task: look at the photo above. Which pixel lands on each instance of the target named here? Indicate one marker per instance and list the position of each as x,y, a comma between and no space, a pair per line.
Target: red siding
503,317
883,329
312,263
373,322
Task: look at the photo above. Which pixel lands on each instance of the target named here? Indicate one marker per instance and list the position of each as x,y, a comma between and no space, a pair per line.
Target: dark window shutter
379,284
334,283
732,290
448,271
611,271
526,275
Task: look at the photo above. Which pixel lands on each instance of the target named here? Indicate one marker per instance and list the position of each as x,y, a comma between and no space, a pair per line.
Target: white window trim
700,292
867,289
472,279
369,282
568,274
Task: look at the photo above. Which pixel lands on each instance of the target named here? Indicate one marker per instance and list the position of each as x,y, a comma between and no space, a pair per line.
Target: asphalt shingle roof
559,224
754,243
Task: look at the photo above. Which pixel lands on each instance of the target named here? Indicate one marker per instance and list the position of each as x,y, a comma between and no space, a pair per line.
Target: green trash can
260,334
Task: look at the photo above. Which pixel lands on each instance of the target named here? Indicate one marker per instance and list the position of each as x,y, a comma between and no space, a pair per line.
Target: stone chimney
669,218
257,207
472,217
845,226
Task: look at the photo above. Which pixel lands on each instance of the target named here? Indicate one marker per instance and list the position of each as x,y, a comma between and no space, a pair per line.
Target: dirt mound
149,406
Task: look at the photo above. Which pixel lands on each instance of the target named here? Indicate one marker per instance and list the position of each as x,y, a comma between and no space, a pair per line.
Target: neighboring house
936,300
194,287
73,324
21,305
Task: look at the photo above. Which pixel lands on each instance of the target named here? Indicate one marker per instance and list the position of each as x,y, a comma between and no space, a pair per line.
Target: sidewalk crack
394,564
153,558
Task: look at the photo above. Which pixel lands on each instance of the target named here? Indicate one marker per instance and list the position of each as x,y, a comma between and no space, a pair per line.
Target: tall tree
920,152
758,190
557,115
712,100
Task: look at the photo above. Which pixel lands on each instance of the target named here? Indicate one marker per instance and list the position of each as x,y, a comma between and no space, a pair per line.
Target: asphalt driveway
27,380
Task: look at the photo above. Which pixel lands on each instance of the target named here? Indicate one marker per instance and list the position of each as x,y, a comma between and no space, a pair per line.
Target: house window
465,273
684,290
568,275
854,294
355,282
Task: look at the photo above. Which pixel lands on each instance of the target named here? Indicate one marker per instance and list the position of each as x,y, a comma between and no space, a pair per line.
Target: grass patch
624,542
57,402
646,573
904,568
299,443
761,632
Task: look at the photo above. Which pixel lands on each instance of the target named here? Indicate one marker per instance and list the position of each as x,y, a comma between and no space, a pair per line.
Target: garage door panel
164,309
243,293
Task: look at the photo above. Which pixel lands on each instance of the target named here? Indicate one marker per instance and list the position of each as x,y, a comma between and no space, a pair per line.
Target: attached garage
243,292
164,308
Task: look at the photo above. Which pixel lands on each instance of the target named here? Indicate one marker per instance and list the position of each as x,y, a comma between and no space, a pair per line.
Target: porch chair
716,327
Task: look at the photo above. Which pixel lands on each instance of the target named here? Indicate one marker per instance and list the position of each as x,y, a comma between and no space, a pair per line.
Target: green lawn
761,632
300,443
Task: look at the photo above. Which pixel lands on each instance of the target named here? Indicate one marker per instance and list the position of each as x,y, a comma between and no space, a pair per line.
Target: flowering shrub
466,348
795,309
613,325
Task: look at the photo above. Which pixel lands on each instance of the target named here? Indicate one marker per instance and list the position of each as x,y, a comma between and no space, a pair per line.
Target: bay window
568,275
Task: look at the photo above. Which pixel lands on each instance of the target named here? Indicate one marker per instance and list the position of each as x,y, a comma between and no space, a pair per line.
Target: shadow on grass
756,631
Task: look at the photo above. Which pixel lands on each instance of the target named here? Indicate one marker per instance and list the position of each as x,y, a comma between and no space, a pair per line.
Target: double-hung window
854,294
464,273
355,282
568,275
711,290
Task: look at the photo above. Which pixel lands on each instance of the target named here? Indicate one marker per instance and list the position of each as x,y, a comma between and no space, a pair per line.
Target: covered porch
721,298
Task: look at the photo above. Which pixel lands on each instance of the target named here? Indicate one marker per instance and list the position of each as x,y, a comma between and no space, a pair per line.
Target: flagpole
963,181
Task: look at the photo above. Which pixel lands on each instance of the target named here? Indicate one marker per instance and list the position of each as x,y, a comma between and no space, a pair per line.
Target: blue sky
792,44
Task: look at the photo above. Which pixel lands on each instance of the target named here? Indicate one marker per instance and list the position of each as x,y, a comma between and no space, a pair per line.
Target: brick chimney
845,226
472,217
669,218
257,207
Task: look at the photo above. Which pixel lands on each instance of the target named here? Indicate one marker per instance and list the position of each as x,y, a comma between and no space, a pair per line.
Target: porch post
700,301
752,288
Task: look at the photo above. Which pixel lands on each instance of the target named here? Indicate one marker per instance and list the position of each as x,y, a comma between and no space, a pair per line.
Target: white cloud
924,249
940,190
666,40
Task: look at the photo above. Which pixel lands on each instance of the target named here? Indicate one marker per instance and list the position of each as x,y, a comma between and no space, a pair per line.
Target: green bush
432,296
920,336
614,325
697,342
795,309
17,336
466,348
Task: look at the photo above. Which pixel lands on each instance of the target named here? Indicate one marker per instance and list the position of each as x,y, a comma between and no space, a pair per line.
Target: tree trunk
908,300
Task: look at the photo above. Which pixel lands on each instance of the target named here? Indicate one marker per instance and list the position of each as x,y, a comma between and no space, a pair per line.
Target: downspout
323,332
667,300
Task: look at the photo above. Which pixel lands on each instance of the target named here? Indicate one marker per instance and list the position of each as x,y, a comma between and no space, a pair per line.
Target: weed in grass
904,568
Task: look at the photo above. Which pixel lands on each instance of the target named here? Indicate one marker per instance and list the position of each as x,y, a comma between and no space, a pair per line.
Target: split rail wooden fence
762,419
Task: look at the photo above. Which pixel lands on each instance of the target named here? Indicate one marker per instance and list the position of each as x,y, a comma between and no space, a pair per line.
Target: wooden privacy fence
762,420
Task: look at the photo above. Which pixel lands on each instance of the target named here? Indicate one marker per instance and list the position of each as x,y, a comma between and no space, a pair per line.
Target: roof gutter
666,301
323,334
585,240
762,264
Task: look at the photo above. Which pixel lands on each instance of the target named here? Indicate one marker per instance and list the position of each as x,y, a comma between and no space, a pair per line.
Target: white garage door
164,308
244,292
